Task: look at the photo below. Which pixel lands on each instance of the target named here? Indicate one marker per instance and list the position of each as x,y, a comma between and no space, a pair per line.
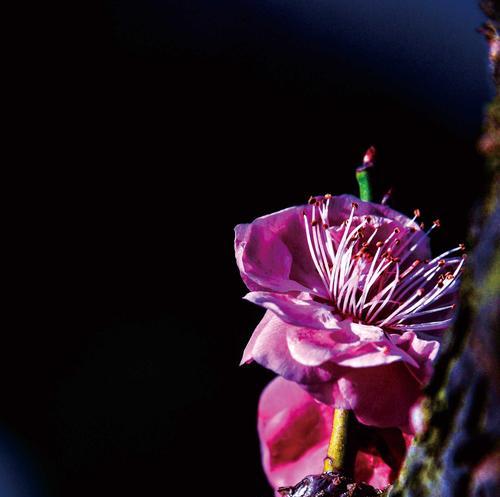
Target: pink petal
294,431
296,311
272,253
315,347
351,345
379,380
381,396
424,352
268,346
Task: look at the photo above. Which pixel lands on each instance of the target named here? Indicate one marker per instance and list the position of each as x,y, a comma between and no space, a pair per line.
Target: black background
176,121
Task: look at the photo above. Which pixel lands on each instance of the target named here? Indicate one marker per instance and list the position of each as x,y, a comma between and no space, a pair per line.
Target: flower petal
383,395
315,347
294,431
268,346
296,311
272,253
424,352
351,345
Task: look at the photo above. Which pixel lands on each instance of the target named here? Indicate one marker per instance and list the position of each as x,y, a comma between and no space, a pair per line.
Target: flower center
371,273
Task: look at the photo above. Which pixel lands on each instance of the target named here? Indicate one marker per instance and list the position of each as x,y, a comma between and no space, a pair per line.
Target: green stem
336,456
362,175
365,192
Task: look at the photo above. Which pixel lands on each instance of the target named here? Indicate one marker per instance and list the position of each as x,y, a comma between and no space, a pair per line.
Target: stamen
408,270
312,252
391,289
386,197
381,289
416,215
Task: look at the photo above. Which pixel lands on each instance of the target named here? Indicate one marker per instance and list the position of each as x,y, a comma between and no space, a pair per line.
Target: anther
416,212
355,205
386,196
437,223
360,252
369,156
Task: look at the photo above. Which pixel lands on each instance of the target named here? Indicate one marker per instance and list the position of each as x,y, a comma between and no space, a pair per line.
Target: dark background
176,121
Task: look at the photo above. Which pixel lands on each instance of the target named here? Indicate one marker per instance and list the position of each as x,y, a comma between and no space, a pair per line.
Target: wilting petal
294,431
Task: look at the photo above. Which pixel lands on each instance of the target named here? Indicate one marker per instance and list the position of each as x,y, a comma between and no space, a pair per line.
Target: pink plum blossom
294,430
356,305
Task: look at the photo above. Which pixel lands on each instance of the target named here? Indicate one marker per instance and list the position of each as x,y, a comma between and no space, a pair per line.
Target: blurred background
176,121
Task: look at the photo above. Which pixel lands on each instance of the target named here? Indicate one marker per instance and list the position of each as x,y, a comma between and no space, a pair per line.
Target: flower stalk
362,175
336,456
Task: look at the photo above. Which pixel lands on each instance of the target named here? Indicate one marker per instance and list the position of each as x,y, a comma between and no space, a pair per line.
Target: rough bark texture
459,452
